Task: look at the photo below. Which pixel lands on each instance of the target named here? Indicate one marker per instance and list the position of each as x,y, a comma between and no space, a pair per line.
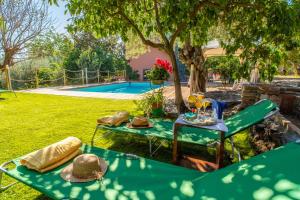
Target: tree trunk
191,55
178,94
298,70
8,58
200,79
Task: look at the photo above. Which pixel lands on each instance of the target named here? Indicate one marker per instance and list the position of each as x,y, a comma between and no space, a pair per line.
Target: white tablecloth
220,126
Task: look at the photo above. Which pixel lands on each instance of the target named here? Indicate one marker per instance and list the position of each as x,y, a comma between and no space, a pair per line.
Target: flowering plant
161,70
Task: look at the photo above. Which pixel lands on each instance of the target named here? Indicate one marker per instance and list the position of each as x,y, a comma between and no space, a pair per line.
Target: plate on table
203,121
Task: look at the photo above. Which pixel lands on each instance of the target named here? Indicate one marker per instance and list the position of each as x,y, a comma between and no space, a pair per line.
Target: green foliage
50,76
134,46
267,71
24,73
157,73
134,75
264,33
81,50
228,67
149,100
291,59
269,58
54,46
105,54
70,61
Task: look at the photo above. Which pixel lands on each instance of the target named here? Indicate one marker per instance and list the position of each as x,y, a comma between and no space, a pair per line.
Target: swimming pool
127,88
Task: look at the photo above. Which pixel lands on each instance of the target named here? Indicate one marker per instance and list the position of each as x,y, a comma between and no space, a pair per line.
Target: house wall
147,60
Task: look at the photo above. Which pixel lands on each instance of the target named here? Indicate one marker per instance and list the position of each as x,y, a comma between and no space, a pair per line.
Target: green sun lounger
272,175
163,129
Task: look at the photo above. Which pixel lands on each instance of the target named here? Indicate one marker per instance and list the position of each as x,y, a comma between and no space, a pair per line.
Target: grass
33,121
287,76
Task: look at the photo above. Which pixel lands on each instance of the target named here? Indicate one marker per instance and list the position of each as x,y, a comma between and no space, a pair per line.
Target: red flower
164,64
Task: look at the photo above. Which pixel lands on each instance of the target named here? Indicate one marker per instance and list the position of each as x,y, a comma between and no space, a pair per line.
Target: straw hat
85,167
139,121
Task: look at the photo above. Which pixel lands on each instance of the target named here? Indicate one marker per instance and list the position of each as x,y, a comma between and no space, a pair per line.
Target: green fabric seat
272,175
236,123
130,178
161,129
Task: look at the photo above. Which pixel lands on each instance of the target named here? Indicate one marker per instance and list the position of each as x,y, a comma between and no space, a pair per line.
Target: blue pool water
127,87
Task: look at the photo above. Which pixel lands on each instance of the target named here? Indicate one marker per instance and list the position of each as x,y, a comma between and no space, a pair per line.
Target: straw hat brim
129,125
67,174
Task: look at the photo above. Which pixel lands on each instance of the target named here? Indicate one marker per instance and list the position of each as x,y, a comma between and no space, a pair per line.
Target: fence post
125,75
98,76
82,76
64,74
36,78
7,77
86,76
108,76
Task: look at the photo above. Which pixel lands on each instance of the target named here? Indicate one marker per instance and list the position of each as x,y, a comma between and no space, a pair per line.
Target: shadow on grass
42,197
138,145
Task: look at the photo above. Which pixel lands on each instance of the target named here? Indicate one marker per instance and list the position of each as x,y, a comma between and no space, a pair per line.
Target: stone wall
297,107
288,98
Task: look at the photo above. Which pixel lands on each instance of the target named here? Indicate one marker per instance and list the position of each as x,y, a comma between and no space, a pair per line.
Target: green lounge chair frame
158,135
163,129
246,118
270,175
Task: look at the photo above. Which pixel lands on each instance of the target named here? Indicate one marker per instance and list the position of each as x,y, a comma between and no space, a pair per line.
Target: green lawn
33,121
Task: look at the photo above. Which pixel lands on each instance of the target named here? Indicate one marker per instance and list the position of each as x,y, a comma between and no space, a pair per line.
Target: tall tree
22,22
52,45
169,19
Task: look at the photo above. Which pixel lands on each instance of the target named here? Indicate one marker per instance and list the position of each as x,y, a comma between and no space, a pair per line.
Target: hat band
94,174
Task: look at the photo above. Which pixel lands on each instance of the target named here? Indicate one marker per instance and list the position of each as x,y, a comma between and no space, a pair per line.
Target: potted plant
160,72
151,104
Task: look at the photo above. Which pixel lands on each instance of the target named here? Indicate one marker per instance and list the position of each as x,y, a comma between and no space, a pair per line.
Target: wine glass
200,97
198,105
191,102
192,99
206,103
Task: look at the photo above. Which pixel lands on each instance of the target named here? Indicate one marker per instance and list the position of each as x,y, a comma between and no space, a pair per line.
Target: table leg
175,144
220,150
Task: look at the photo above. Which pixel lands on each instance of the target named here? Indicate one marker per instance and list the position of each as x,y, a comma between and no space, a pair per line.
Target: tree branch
145,7
160,29
204,3
192,15
139,32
